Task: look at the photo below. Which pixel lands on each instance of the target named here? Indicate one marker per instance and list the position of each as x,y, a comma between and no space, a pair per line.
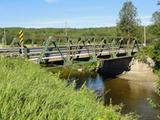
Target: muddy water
133,96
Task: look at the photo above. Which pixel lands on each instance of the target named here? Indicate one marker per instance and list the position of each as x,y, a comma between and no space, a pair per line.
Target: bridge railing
74,49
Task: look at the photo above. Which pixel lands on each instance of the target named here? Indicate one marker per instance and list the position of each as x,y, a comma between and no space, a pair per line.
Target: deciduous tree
128,21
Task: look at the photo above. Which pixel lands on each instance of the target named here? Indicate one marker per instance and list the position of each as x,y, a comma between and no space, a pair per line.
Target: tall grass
28,92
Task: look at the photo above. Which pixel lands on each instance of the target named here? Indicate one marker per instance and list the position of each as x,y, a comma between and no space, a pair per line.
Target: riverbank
72,70
128,93
30,92
141,73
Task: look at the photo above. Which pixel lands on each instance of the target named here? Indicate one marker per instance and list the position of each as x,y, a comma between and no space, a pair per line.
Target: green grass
29,92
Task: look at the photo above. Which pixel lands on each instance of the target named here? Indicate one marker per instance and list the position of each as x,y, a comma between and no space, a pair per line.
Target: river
118,91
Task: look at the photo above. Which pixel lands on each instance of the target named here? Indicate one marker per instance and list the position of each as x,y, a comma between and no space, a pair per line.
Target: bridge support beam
113,67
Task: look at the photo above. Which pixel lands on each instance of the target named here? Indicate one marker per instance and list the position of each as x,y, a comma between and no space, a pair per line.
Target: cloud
50,1
146,20
146,17
74,22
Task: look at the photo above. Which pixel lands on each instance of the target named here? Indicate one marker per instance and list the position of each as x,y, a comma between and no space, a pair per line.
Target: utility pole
66,30
145,36
4,38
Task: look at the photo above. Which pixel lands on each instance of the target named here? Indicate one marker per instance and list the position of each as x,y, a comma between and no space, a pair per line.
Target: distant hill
41,34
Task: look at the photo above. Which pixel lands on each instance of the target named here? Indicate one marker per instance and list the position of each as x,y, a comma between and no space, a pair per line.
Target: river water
118,91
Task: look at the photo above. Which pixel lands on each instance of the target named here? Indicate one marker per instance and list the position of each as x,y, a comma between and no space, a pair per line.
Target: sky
70,13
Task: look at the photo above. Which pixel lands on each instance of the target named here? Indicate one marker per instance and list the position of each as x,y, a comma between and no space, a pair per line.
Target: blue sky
76,13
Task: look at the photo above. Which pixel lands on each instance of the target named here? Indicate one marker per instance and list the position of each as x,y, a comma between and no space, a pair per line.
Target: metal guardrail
52,52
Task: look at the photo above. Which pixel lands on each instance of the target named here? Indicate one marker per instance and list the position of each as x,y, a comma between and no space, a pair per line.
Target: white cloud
50,1
73,22
146,20
146,17
78,22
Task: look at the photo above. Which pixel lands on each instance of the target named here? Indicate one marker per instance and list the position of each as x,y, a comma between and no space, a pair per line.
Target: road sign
21,37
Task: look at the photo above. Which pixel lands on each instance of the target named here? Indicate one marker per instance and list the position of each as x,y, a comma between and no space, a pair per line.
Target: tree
156,17
156,22
128,21
156,57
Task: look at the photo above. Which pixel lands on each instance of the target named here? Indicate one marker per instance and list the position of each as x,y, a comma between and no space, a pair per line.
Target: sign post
21,39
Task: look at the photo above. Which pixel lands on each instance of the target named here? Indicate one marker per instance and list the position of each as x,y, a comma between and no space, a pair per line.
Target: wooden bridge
74,50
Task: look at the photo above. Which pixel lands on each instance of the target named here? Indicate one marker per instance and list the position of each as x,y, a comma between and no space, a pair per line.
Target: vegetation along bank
28,91
152,51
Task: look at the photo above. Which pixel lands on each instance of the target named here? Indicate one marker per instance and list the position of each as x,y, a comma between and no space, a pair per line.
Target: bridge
70,50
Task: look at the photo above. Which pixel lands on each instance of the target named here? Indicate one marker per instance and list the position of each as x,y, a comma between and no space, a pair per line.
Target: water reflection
93,82
132,95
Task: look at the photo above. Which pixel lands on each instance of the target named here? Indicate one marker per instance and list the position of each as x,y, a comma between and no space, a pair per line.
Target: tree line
128,25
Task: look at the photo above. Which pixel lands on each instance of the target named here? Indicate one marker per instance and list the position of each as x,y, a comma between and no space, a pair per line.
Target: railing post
15,41
25,52
93,46
69,58
45,48
113,54
128,47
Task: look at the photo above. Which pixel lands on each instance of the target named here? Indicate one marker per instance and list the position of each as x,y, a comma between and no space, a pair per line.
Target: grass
29,92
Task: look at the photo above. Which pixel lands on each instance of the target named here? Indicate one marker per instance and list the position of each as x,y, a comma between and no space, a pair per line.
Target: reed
29,92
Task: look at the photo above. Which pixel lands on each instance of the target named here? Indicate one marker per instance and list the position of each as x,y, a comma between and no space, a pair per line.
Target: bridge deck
71,52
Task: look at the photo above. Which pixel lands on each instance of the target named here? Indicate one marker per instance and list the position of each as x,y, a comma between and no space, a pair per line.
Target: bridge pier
113,67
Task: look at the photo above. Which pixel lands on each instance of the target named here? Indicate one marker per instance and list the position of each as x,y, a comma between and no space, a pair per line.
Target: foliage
154,53
128,26
39,35
156,17
158,90
128,19
156,23
146,52
152,103
30,92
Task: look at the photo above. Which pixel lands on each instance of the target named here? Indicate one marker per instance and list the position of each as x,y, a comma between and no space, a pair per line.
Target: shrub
28,92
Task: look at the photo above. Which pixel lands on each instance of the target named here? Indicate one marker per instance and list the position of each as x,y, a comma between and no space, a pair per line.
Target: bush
28,92
154,53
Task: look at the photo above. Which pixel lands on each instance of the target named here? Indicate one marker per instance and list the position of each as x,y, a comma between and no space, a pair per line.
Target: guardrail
53,52
67,52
